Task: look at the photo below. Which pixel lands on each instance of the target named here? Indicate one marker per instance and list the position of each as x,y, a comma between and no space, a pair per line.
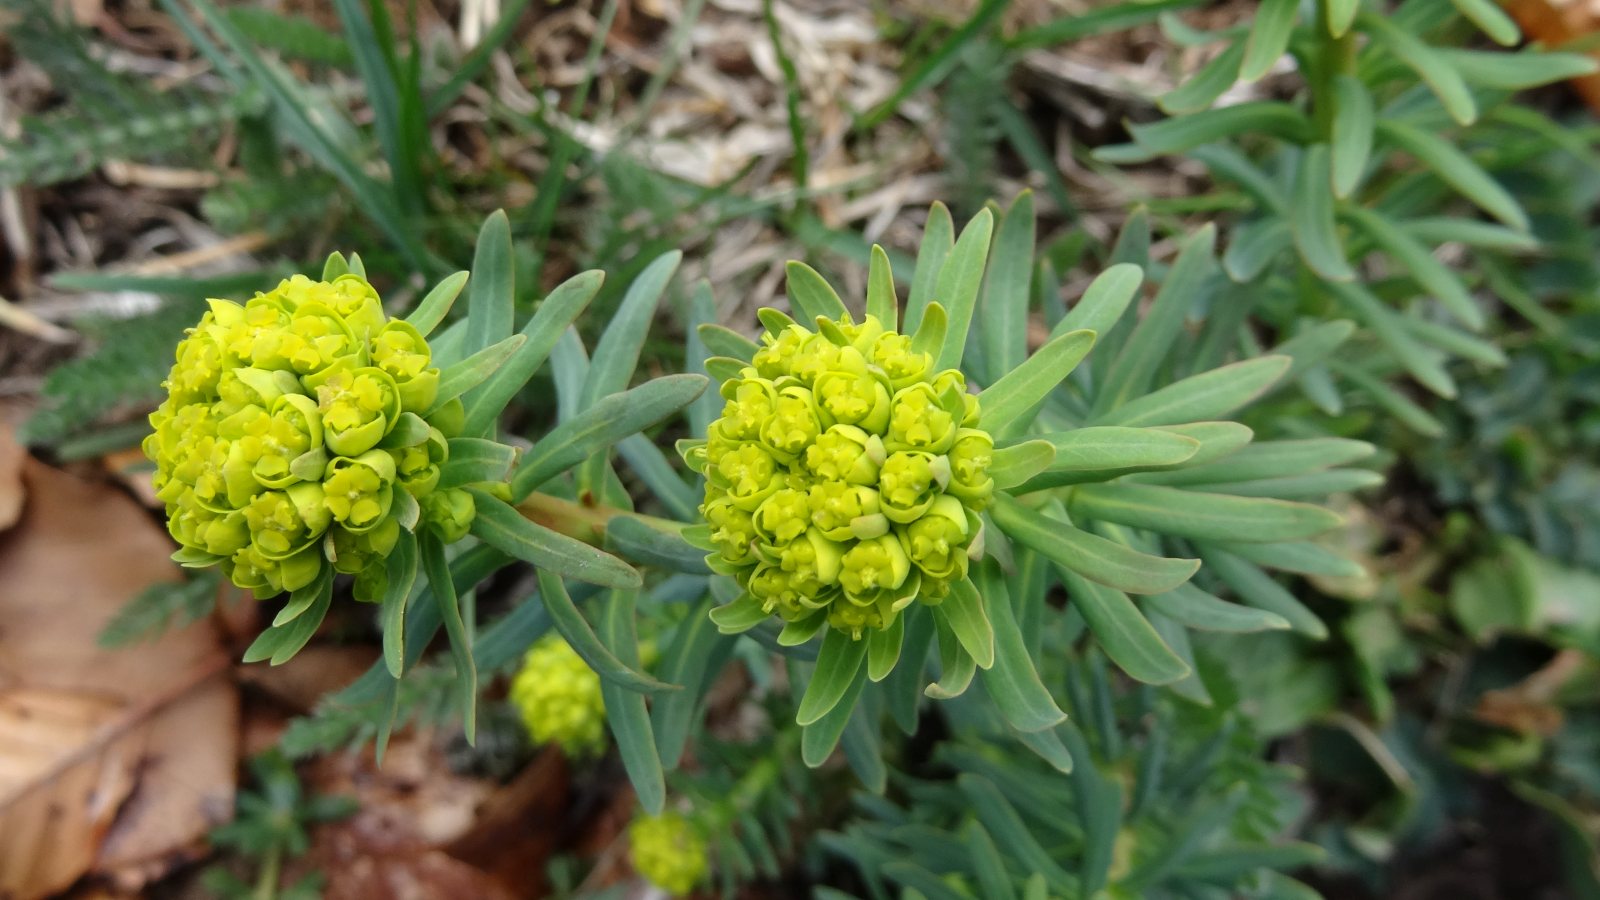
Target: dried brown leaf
112,762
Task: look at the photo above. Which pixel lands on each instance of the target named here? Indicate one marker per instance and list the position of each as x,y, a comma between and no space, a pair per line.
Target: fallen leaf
113,763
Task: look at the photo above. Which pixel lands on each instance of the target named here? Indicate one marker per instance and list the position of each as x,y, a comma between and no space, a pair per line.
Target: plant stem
267,881
584,521
1332,56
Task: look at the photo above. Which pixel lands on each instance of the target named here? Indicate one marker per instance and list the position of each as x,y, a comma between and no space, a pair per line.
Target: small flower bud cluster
669,851
559,698
278,448
845,475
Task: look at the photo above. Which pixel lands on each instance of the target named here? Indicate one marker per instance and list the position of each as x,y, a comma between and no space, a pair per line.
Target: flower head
844,474
276,452
559,698
669,851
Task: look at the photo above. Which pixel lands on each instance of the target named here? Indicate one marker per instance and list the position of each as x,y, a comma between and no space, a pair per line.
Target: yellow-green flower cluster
290,430
559,698
669,851
845,475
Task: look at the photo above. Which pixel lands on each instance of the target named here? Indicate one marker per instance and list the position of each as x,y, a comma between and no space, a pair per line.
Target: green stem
267,881
584,521
1332,56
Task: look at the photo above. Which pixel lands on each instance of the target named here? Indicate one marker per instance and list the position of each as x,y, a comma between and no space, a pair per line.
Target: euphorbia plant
307,433
904,479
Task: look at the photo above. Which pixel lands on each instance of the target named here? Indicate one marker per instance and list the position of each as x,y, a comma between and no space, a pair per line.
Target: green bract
829,487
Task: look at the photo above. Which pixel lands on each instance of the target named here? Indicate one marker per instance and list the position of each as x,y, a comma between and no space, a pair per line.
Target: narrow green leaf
883,649
1316,234
401,568
1095,558
1114,448
1100,810
1341,15
740,615
1517,71
473,460
1123,632
722,341
929,335
1152,338
838,668
1198,515
1400,406
1434,276
811,296
862,750
903,688
687,662
1203,88
449,608
1254,246
617,353
559,310
1491,20
1269,38
938,237
600,657
601,425
1004,323
1208,395
302,599
1313,345
997,814
963,611
502,527
1456,343
1473,233
1257,588
1441,77
1104,302
1313,485
1456,169
1268,459
1424,363
635,540
1300,557
1267,117
473,371
882,301
625,709
956,666
1017,463
960,279
1008,403
987,864
1351,136
818,738
491,296
1197,609
1013,681
334,266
